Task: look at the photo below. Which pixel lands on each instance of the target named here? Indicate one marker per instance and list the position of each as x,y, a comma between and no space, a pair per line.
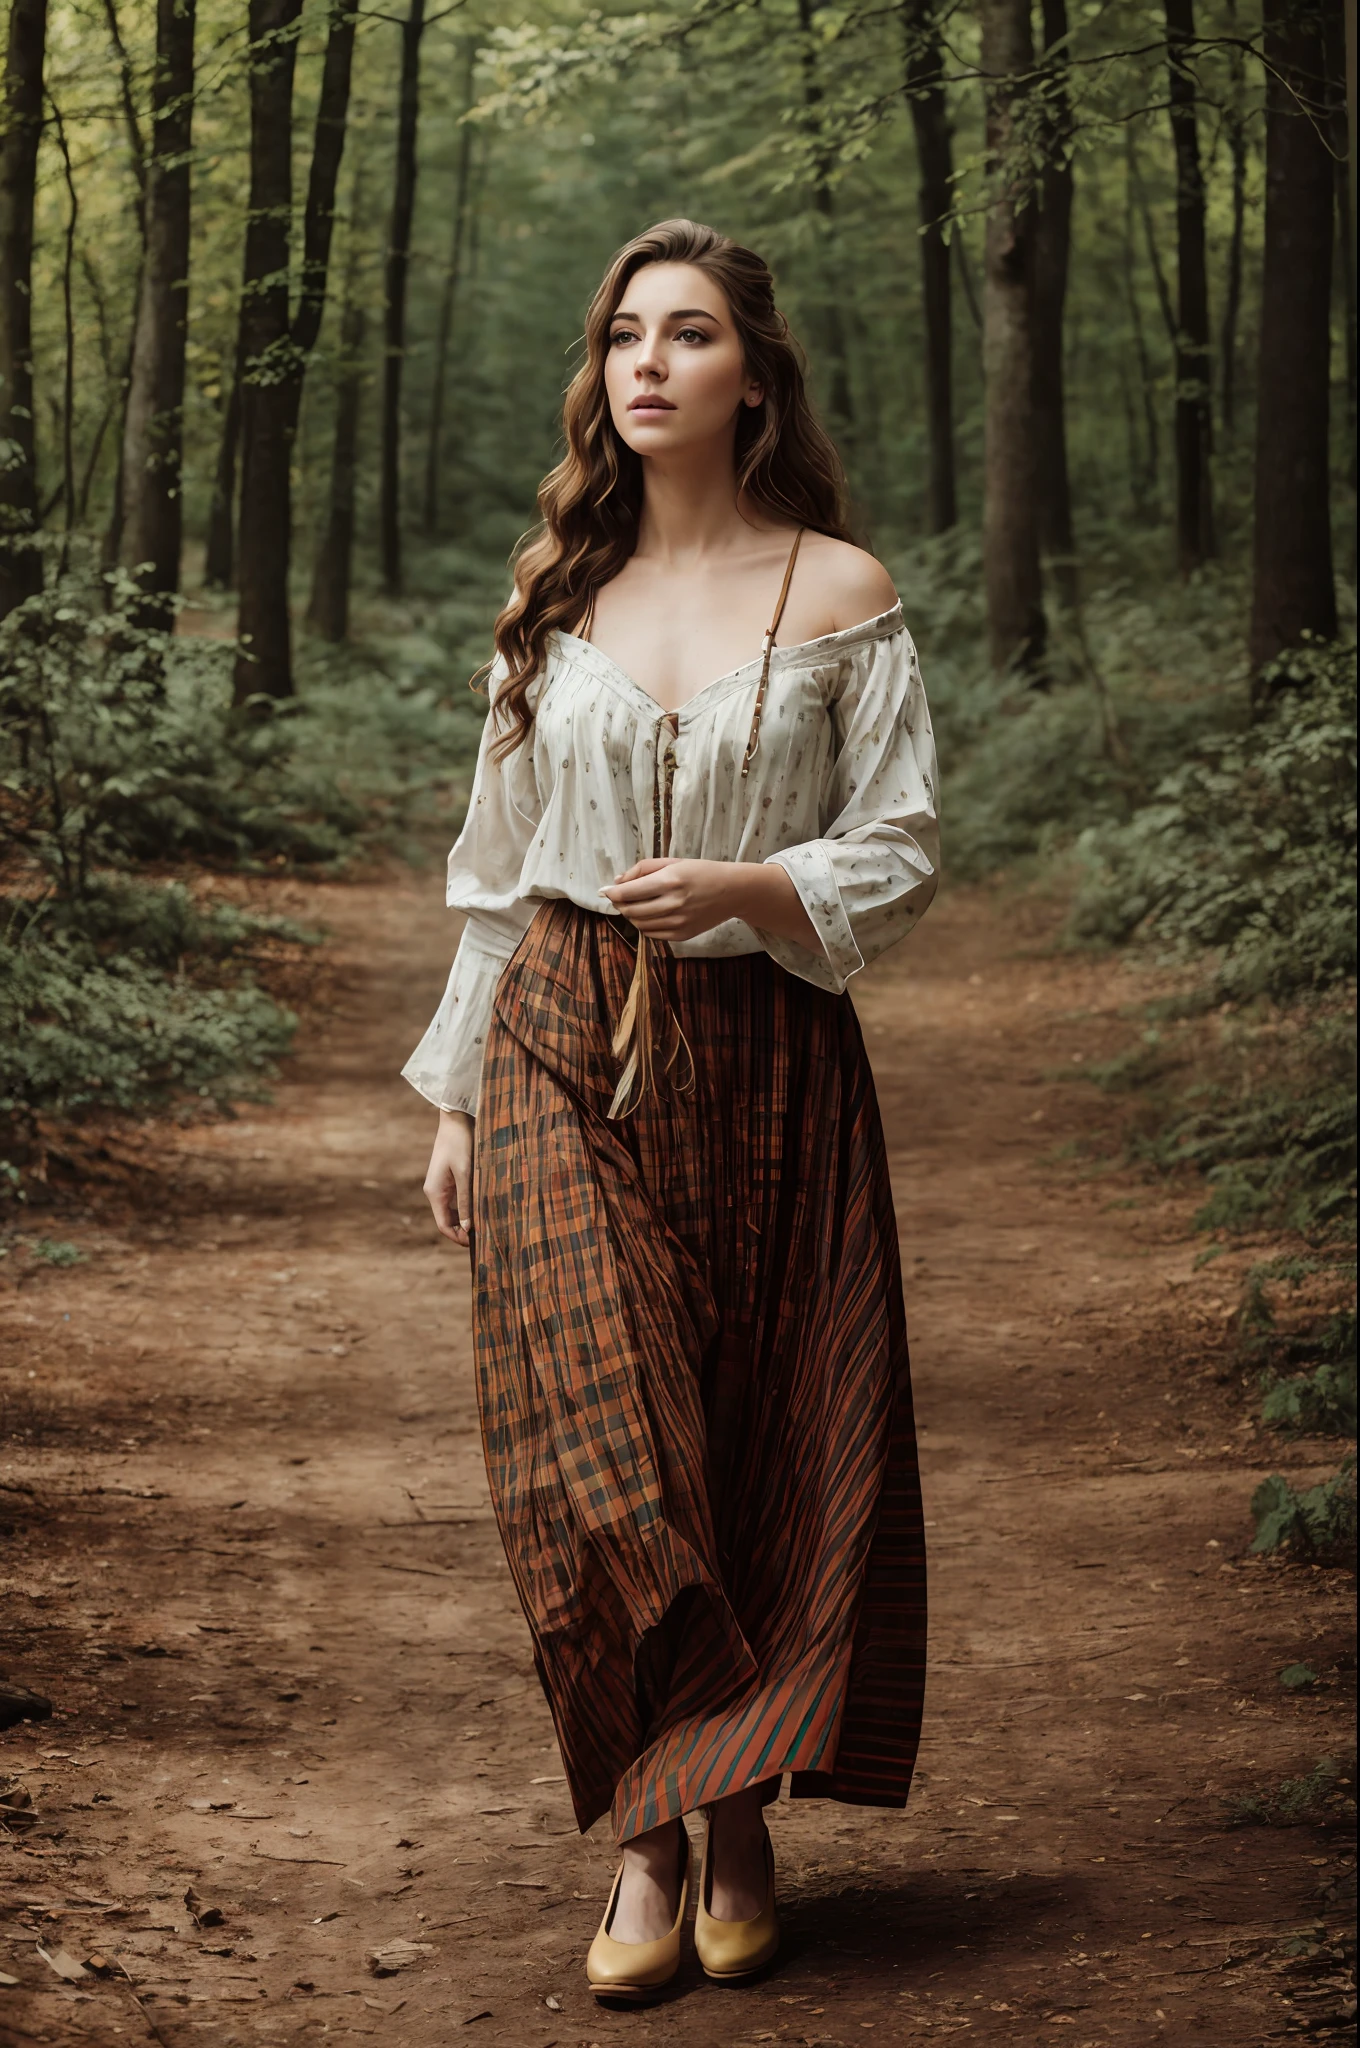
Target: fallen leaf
65,1966
201,1915
7,1981
397,1955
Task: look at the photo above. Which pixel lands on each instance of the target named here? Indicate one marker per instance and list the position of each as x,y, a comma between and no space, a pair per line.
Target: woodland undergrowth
1202,822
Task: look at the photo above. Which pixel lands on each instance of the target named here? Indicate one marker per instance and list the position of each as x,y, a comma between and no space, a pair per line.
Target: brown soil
249,1554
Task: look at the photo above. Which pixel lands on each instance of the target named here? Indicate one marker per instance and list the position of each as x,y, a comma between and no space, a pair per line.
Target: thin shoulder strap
784,591
753,743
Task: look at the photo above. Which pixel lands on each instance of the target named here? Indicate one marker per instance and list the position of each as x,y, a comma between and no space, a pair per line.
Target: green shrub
1327,1792
118,746
1321,1402
1247,849
80,1031
1319,1522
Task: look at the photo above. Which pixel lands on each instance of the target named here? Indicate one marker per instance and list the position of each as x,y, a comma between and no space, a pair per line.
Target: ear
754,395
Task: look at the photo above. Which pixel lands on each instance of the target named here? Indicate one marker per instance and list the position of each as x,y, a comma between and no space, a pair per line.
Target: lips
651,405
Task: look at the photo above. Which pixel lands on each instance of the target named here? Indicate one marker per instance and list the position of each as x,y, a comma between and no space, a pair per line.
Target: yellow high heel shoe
634,1971
731,1950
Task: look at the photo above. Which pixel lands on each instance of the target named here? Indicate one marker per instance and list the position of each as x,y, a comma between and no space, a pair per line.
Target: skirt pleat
694,1389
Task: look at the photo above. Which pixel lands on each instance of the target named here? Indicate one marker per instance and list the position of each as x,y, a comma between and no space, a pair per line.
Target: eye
621,334
691,334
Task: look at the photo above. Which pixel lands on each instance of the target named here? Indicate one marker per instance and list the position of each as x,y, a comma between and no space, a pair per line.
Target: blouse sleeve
870,876
483,882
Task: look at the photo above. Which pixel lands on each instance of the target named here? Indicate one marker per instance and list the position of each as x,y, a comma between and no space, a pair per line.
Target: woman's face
674,372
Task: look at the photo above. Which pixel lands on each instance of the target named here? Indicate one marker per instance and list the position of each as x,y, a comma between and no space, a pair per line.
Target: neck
690,505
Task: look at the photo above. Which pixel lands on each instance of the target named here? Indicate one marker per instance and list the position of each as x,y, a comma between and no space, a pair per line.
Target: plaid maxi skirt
693,1381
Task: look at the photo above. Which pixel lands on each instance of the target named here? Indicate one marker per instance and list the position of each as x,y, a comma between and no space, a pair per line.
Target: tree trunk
153,425
1195,542
1052,244
1345,250
832,342
1294,592
328,611
1144,471
276,348
448,301
219,562
21,574
935,198
397,269
1236,126
1010,524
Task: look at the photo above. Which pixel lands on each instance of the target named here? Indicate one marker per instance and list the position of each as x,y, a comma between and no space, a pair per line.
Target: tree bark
832,339
276,346
1294,591
1236,127
1010,523
328,610
397,270
219,562
1195,540
1143,471
1052,245
21,574
153,424
448,301
935,196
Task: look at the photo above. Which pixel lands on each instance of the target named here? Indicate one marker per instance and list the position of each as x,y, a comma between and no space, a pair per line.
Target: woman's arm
679,899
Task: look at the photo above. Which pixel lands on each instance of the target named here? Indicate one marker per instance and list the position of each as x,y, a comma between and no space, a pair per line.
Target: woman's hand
448,1184
679,899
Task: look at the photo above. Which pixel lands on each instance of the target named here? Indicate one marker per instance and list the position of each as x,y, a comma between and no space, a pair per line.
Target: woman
705,798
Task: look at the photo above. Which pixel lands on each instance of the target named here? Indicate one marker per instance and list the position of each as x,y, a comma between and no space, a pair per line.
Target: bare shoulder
852,585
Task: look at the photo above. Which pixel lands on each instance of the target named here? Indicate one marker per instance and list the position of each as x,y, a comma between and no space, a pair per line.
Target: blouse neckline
587,655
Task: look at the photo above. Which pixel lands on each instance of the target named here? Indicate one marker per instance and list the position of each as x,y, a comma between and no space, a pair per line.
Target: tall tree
1052,246
153,424
833,345
1195,541
397,271
20,133
935,197
1010,520
328,607
111,542
219,559
278,341
448,296
1235,126
1294,593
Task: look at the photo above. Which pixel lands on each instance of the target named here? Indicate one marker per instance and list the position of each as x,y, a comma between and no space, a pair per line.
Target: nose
649,363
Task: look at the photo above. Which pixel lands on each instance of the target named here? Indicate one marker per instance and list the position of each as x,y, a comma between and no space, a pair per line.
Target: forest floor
249,1554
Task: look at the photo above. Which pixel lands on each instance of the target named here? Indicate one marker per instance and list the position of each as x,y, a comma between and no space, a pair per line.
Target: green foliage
1321,1402
54,1251
119,746
119,751
1318,1522
1327,1792
1248,848
1298,1678
81,1030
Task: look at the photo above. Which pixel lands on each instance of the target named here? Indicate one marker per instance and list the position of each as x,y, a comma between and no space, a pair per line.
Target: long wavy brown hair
787,465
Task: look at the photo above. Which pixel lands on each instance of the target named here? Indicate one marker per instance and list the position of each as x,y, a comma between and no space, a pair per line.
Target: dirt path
248,1552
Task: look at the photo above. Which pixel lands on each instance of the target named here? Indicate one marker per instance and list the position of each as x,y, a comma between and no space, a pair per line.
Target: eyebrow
683,313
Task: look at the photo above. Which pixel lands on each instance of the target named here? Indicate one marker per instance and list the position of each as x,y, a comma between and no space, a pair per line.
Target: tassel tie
647,1038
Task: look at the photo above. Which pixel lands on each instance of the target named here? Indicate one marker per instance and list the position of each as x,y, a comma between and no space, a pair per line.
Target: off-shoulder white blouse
841,794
